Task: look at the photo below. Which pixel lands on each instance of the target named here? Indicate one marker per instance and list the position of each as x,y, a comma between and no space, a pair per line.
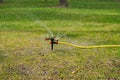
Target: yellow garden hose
87,47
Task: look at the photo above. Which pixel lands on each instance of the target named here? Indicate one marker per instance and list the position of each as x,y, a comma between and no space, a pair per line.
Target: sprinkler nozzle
53,41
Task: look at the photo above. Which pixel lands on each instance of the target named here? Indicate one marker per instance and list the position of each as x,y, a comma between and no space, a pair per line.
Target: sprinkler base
53,41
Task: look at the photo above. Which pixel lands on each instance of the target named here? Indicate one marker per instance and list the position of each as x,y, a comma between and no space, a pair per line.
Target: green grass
24,55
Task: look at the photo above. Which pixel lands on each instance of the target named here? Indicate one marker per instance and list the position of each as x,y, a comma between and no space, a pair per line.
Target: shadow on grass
80,4
27,4
44,15
23,10
95,4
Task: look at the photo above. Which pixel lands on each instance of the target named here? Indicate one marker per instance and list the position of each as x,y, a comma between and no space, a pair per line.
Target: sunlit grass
25,55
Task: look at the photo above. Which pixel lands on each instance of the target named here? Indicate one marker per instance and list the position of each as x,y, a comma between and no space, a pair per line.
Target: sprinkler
53,41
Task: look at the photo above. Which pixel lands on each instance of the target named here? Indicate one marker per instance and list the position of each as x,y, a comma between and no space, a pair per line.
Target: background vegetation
24,55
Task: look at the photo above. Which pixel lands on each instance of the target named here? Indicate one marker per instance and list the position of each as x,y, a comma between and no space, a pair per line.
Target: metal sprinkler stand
53,41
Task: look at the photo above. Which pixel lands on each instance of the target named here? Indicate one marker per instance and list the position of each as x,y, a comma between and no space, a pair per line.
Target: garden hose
53,41
89,47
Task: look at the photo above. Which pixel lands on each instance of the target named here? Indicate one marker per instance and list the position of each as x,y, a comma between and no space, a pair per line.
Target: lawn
25,55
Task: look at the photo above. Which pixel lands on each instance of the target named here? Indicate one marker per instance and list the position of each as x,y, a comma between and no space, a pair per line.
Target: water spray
53,40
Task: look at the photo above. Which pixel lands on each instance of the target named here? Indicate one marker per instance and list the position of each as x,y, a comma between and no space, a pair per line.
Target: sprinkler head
53,41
